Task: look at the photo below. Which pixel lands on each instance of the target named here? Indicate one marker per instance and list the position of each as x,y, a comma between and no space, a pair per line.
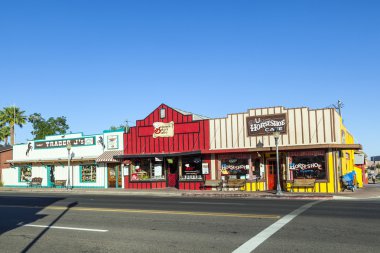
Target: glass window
308,167
147,169
88,174
235,168
25,174
191,167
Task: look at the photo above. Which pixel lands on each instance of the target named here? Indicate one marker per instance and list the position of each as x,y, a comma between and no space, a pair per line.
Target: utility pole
339,108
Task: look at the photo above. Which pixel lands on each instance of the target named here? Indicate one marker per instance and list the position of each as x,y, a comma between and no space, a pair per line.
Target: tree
5,132
12,116
52,126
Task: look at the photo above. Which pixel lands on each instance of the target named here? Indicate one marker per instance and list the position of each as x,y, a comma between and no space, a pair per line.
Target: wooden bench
212,183
236,183
60,183
304,182
36,181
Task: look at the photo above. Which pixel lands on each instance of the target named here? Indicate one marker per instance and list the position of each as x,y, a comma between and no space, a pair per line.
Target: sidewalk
370,191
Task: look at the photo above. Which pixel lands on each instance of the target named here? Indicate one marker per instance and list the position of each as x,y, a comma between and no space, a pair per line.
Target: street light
276,135
68,146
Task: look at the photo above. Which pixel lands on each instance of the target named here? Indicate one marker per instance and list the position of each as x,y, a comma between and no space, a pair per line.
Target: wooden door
172,173
271,174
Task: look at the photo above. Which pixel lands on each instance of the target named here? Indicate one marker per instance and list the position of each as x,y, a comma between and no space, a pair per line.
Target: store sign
265,125
112,142
162,129
84,141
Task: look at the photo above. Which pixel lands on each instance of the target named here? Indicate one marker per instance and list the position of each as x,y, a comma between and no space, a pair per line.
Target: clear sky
101,62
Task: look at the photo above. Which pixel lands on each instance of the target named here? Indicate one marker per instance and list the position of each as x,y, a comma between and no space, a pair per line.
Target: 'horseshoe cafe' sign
264,125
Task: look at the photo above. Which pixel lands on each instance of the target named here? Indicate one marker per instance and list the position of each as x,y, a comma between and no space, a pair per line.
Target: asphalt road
40,222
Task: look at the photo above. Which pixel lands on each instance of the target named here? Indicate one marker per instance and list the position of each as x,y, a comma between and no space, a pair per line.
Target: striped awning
107,156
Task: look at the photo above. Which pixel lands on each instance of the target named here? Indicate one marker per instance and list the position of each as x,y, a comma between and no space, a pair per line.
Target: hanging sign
265,125
162,129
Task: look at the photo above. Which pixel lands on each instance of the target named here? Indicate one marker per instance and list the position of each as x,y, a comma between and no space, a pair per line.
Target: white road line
255,241
69,228
213,203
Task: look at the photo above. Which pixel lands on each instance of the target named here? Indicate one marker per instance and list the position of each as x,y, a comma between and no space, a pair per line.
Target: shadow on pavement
16,210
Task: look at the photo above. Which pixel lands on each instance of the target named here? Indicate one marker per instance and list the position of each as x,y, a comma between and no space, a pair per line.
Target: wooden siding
189,134
304,127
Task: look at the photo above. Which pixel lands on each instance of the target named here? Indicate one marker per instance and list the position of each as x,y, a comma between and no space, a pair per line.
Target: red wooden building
166,150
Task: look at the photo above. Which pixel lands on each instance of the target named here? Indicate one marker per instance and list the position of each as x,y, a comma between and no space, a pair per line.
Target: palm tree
12,115
5,132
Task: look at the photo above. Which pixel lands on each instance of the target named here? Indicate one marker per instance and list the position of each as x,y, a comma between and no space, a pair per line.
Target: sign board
359,159
205,169
112,142
162,129
266,125
75,142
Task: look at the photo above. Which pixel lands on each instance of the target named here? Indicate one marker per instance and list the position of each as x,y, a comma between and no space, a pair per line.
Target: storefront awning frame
158,155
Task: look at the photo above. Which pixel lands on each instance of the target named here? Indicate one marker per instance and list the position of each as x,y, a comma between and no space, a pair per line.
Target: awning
108,156
158,155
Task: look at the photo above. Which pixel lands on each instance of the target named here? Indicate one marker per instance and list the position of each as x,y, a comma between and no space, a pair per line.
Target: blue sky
101,62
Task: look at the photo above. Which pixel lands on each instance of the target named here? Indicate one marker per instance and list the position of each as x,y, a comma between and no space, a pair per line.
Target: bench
212,183
304,182
60,183
36,181
236,183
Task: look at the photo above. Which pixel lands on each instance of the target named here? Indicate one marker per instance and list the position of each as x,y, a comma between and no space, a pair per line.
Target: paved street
57,222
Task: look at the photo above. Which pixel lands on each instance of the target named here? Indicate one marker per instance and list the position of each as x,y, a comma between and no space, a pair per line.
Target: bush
1,184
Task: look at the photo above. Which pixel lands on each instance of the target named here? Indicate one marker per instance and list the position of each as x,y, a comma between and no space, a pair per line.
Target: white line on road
214,203
255,241
69,228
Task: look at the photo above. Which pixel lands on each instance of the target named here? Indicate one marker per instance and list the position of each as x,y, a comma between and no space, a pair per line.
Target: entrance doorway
272,174
114,176
50,175
172,167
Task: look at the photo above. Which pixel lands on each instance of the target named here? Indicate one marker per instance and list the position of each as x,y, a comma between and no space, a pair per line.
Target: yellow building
315,149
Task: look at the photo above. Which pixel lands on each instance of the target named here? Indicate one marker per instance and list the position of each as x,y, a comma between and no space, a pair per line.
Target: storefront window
308,166
147,169
191,168
25,174
235,168
88,173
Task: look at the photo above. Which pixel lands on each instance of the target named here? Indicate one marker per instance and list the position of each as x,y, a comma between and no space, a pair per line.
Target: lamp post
276,135
68,146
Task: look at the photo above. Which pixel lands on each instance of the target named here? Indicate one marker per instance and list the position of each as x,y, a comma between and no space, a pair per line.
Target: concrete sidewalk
370,191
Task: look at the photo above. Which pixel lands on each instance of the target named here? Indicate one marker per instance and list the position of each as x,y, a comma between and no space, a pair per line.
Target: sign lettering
265,125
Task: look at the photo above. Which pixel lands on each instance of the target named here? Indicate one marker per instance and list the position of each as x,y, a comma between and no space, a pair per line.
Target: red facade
189,134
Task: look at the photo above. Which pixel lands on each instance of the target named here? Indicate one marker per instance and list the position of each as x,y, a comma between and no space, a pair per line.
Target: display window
308,166
191,168
25,174
88,173
236,168
147,169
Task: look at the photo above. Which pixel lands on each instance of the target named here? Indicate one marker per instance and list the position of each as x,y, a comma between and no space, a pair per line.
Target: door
172,172
271,174
114,176
111,176
50,175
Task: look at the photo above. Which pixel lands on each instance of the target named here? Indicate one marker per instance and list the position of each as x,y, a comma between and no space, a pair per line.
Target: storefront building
5,154
166,149
77,160
313,144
